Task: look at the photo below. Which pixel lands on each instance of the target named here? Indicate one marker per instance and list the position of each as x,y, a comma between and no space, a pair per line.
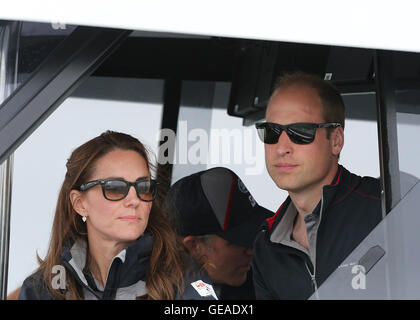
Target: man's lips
285,167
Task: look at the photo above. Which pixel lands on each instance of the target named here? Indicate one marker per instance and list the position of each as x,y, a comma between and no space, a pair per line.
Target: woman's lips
130,218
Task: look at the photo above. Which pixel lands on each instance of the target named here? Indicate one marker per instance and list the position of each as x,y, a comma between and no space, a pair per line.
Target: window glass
36,42
407,73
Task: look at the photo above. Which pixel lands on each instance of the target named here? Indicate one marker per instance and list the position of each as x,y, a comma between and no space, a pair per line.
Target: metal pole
387,130
9,48
5,201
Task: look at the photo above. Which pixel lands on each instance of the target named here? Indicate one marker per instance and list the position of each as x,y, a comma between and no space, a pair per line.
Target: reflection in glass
407,74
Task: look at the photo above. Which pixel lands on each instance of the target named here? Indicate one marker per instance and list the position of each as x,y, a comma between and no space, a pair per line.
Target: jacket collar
329,193
133,262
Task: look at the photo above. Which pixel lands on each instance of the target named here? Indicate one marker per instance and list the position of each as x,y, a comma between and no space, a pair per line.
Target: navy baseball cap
216,201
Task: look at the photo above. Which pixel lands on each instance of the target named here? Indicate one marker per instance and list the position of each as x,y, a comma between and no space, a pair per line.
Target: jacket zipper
75,275
313,276
313,280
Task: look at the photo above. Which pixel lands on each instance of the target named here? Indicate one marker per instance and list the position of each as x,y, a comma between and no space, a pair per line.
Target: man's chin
283,180
286,185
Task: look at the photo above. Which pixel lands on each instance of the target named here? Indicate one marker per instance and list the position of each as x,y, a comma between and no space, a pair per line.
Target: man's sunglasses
115,189
299,133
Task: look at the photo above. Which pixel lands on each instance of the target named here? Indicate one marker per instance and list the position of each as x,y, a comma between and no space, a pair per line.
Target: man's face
294,167
226,262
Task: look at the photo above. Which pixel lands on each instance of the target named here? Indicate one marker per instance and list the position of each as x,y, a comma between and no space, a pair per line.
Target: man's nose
283,145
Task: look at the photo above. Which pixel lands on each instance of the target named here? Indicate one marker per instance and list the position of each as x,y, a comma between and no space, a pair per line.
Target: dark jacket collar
329,193
127,267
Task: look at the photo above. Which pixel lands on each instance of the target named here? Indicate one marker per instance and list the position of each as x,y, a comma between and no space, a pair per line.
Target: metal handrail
9,48
5,210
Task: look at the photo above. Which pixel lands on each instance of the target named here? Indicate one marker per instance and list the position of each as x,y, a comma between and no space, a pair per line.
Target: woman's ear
77,201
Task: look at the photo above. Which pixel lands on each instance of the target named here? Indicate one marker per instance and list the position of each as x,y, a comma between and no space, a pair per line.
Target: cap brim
244,234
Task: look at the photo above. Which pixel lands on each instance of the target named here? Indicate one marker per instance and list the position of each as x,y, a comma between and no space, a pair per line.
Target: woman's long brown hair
164,278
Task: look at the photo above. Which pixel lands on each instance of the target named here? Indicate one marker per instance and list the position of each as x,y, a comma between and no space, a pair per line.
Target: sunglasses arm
89,185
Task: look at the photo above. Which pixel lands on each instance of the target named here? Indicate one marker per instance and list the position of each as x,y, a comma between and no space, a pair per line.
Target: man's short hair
333,109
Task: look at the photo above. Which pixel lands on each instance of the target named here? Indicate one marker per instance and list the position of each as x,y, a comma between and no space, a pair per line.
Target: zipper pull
315,287
314,282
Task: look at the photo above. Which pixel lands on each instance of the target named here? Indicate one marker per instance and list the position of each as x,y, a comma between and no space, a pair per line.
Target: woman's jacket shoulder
34,288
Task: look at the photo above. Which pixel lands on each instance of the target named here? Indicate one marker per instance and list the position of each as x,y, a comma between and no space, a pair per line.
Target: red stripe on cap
225,223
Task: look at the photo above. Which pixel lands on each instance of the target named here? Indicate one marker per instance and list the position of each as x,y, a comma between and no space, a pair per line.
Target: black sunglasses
299,133
115,189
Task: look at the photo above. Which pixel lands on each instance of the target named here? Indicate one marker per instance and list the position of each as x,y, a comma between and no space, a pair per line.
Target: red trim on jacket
272,219
338,178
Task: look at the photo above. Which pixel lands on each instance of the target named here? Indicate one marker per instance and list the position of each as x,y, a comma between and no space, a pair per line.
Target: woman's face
120,221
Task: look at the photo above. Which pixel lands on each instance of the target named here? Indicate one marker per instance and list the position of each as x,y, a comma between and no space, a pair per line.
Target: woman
108,241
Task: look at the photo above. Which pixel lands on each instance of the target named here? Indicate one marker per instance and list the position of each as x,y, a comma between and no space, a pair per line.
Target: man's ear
337,140
76,199
193,245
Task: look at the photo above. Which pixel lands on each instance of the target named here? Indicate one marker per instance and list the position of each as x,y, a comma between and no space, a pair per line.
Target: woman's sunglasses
115,189
299,133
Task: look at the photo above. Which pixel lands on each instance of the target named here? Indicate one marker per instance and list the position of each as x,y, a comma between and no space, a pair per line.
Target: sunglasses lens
268,134
146,190
301,134
115,189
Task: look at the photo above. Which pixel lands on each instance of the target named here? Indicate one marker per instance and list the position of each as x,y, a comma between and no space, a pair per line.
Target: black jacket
351,208
222,291
126,275
193,274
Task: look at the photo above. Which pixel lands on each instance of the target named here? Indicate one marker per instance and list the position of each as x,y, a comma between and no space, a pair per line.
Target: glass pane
407,72
9,35
23,46
37,40
394,275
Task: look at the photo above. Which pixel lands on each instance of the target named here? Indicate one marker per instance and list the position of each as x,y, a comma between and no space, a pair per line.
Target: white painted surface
391,25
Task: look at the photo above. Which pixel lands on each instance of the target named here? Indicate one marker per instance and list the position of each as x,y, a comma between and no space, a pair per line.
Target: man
218,219
329,210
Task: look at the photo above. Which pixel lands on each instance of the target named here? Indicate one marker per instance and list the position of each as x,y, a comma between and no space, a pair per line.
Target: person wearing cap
218,219
329,210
